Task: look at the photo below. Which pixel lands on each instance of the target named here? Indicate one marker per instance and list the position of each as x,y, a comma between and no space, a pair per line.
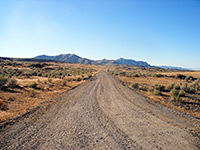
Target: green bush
3,81
178,99
151,89
32,93
78,79
195,84
64,82
157,92
159,87
45,81
177,87
192,90
135,85
158,75
184,87
181,93
136,75
2,105
144,88
33,85
180,76
12,83
187,89
174,93
49,80
170,86
189,78
57,82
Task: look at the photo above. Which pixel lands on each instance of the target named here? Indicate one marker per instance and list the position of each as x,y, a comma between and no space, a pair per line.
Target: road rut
104,114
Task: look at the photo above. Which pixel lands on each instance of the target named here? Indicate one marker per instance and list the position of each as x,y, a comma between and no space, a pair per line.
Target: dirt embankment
104,114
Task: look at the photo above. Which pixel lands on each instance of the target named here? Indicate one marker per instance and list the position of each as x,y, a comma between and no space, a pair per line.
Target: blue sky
161,32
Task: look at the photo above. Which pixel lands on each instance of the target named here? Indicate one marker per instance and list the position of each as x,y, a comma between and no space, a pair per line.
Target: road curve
103,114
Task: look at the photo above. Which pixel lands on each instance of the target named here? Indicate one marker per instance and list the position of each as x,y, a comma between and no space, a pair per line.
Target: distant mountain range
72,58
172,67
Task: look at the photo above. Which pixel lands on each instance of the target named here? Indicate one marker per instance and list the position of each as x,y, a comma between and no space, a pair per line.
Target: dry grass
195,74
16,101
190,103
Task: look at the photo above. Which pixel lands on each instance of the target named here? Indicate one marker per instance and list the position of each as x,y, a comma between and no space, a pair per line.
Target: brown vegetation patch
28,84
170,90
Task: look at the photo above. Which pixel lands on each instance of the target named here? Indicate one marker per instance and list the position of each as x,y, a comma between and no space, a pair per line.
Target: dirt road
103,114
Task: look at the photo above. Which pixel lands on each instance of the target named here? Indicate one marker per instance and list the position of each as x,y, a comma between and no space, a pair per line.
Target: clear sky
161,32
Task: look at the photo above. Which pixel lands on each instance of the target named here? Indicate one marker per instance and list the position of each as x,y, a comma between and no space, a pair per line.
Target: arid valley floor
73,106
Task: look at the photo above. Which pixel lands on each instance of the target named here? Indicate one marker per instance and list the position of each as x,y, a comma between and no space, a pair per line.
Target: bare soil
103,114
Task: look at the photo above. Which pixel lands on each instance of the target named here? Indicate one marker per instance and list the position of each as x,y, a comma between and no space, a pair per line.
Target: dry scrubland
25,85
172,88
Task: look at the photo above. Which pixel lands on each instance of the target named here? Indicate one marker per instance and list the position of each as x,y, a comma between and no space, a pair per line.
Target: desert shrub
2,105
195,85
45,81
180,76
181,93
122,73
192,90
78,79
150,89
62,77
136,75
27,73
177,87
187,89
82,75
174,93
198,85
57,82
39,74
158,75
12,83
33,85
157,92
64,82
189,78
144,88
3,81
49,80
178,99
32,93
170,86
159,87
135,85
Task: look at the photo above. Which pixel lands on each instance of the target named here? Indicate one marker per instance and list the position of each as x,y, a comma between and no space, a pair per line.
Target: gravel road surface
103,114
